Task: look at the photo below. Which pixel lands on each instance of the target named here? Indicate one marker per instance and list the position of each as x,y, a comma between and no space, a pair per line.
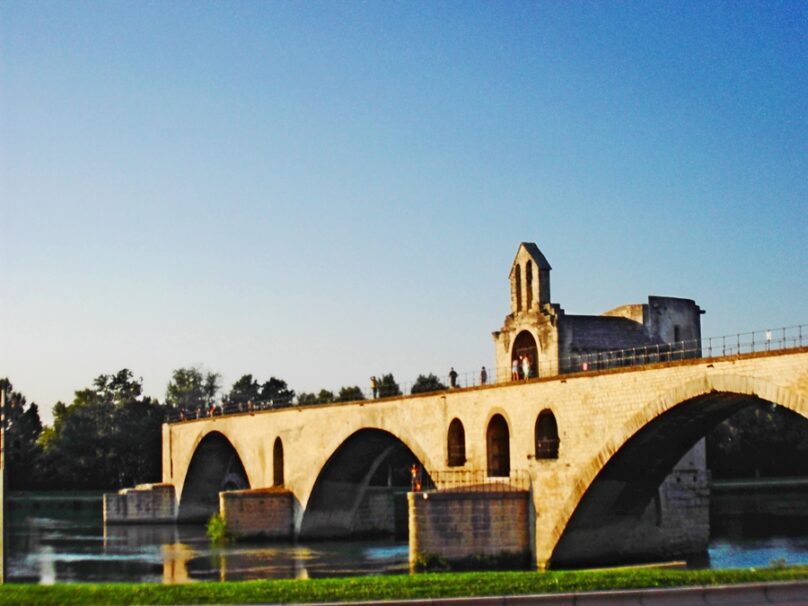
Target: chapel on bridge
554,342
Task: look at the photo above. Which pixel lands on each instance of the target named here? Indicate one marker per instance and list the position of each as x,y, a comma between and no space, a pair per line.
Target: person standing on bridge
374,386
526,367
483,376
514,370
453,377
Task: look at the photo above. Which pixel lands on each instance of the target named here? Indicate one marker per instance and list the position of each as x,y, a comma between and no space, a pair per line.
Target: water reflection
79,548
62,545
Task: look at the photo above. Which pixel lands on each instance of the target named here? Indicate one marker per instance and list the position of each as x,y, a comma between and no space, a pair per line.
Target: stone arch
712,398
498,447
545,435
277,463
214,466
525,344
456,444
362,488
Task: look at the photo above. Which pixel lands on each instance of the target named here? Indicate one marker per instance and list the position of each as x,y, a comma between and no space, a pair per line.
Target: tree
23,428
350,394
424,384
388,387
244,390
191,389
760,440
304,398
324,397
277,391
109,437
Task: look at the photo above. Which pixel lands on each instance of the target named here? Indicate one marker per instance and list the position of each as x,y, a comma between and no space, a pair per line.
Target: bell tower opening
525,353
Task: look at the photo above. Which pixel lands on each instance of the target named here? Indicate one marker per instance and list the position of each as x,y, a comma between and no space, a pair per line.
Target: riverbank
420,586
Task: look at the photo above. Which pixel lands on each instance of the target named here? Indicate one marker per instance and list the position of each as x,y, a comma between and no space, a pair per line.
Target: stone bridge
596,446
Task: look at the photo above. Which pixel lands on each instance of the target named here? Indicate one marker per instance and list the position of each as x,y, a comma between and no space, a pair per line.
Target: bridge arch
215,466
624,476
361,489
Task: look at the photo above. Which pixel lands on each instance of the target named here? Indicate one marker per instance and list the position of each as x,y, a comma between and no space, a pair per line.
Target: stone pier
460,526
143,504
266,513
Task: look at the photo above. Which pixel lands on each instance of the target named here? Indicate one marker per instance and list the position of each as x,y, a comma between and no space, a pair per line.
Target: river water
62,540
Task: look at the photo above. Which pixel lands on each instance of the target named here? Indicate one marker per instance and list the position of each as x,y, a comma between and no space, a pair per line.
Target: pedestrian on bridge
374,386
483,376
526,367
453,377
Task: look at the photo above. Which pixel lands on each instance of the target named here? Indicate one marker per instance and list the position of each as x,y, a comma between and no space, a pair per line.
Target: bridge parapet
708,348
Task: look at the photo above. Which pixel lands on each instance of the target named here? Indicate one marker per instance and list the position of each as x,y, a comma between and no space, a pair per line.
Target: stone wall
458,525
599,414
144,504
262,512
376,513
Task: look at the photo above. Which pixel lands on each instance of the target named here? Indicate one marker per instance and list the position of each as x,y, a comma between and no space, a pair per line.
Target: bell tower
527,344
530,279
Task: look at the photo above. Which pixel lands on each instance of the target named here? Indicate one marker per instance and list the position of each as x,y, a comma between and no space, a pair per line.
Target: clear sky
325,191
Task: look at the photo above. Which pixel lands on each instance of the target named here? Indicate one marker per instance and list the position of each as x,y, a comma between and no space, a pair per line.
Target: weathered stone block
262,512
143,504
461,525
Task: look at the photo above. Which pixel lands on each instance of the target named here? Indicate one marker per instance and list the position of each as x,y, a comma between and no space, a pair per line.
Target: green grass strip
434,585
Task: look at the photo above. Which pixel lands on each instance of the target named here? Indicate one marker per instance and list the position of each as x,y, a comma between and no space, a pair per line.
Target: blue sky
325,191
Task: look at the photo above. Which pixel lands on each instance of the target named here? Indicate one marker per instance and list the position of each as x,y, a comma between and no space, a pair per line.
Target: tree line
110,435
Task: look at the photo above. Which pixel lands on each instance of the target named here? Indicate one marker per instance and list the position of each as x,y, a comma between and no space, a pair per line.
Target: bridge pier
266,513
469,525
143,504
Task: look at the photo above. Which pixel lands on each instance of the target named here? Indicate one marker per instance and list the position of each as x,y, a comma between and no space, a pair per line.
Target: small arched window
546,434
456,442
518,281
497,439
277,463
529,284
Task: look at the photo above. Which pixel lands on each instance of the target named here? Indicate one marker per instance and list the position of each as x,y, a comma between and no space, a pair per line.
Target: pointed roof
534,253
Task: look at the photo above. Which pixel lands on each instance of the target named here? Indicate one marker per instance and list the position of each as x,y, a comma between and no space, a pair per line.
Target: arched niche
456,444
518,286
498,449
545,435
277,463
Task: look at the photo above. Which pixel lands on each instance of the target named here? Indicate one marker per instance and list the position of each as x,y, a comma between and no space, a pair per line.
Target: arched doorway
456,444
497,440
215,466
277,463
546,435
525,345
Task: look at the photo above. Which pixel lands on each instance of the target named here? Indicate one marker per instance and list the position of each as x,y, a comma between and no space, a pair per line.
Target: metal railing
779,339
476,480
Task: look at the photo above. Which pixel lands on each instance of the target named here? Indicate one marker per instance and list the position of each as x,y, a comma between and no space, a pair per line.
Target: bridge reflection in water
71,546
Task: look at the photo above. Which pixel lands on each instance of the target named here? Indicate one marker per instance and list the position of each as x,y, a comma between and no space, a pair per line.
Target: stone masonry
618,431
